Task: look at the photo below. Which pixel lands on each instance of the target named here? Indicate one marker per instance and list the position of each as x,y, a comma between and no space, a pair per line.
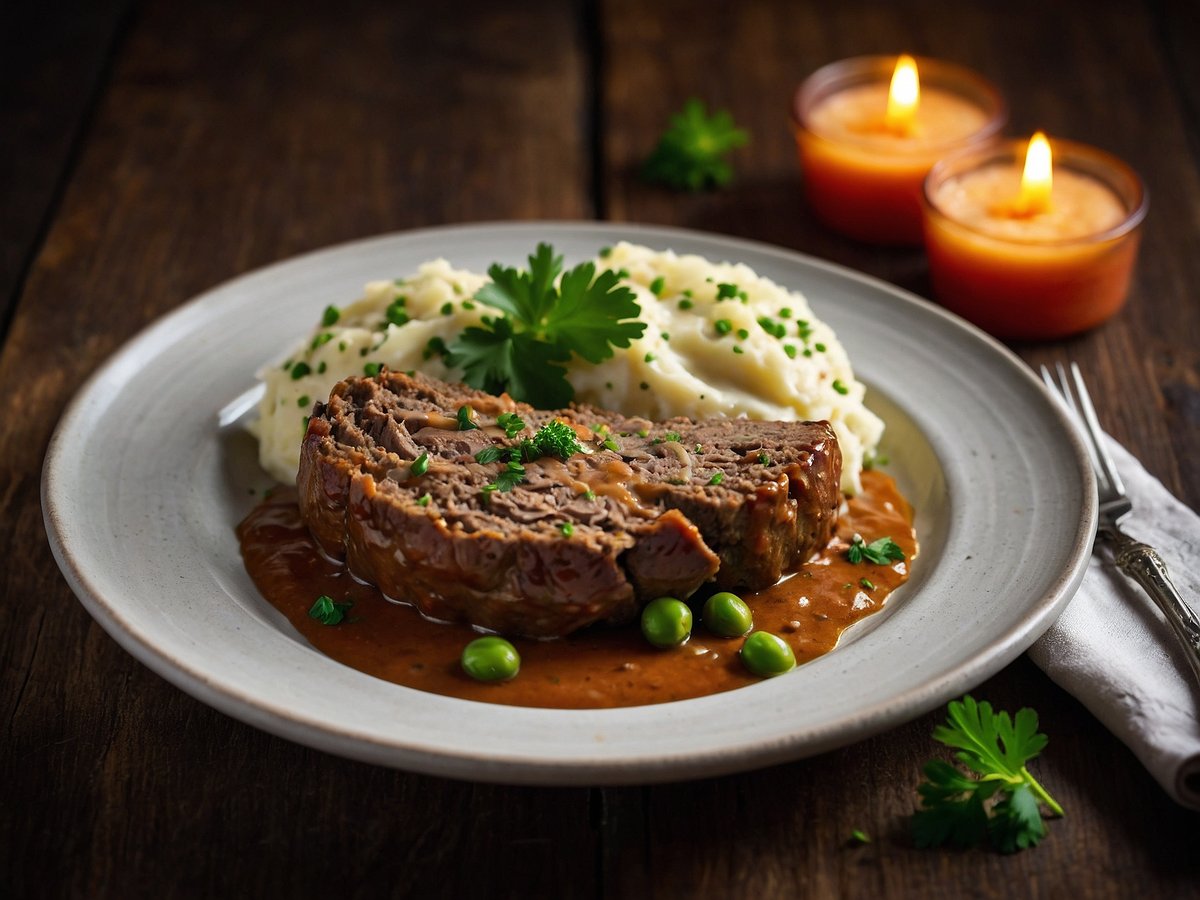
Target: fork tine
1063,392
1107,466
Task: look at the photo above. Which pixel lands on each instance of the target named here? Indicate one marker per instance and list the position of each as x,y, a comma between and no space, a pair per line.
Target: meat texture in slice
390,482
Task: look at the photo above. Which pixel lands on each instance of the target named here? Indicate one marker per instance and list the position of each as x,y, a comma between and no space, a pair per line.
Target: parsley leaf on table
691,153
1002,803
524,351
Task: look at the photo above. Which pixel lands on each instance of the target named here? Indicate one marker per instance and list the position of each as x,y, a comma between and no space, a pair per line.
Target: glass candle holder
862,174
1033,276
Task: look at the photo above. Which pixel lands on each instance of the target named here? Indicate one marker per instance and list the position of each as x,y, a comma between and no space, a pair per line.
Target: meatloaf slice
389,482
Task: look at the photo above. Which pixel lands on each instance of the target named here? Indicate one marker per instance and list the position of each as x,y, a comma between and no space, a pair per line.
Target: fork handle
1142,563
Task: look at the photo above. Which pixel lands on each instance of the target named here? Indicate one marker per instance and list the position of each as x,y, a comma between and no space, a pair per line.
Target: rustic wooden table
151,151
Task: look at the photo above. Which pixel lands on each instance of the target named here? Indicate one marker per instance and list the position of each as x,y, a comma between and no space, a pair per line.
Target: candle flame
1037,178
903,96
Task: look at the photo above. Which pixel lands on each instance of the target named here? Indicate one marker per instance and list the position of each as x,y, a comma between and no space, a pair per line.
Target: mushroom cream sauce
789,366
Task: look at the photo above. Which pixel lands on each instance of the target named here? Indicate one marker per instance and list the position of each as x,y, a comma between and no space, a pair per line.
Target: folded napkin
1114,651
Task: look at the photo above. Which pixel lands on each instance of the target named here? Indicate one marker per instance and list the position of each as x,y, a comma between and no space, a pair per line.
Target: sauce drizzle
595,668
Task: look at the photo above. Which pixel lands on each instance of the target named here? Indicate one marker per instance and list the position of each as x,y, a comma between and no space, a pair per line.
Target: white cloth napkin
1113,650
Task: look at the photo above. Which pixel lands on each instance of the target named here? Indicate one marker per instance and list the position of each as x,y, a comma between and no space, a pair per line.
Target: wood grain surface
151,151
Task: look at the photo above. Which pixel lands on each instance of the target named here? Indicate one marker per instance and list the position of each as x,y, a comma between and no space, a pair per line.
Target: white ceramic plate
142,490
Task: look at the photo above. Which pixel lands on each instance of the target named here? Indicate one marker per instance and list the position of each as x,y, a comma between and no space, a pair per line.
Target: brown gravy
595,668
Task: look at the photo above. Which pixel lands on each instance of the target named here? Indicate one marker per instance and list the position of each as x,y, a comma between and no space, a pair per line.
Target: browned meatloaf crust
730,503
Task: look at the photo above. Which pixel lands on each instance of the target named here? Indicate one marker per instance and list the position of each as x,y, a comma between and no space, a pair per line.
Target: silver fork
1137,560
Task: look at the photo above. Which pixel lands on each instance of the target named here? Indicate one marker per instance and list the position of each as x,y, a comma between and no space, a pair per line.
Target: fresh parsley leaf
544,324
691,154
881,552
513,474
592,313
327,612
498,359
1002,803
489,455
511,423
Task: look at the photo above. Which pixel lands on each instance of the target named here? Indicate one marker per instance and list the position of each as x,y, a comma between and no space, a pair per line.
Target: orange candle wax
869,129
1029,255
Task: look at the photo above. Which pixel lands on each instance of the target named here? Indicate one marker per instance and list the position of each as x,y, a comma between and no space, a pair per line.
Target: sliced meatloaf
474,525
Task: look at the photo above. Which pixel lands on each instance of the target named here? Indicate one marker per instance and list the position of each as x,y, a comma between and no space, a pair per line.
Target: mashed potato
719,340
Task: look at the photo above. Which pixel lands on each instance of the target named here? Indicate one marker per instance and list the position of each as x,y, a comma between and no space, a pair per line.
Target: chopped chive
605,252
742,334
790,350
299,370
839,387
819,347
447,308
567,529
664,336
610,444
342,346
867,583
420,465
303,401
642,432
726,291
763,459
685,303
650,357
738,349
466,418
785,313
723,326
656,286
424,501
589,494
717,478
372,369
330,316
467,304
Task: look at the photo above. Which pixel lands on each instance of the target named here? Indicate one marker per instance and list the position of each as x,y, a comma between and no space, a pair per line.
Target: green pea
491,659
767,654
726,615
666,622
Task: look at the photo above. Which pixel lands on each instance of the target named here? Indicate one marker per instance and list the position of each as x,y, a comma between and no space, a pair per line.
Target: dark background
149,151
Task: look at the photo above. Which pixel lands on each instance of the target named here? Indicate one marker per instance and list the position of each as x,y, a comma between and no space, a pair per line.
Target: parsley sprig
691,153
880,552
545,320
1003,801
555,438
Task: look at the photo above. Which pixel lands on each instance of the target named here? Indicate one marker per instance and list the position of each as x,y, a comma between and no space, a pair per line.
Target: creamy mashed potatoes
719,340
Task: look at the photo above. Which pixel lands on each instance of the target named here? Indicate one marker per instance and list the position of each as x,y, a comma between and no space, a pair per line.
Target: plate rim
412,754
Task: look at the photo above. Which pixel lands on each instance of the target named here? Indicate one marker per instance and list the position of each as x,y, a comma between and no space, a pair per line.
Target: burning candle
1033,240
869,129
